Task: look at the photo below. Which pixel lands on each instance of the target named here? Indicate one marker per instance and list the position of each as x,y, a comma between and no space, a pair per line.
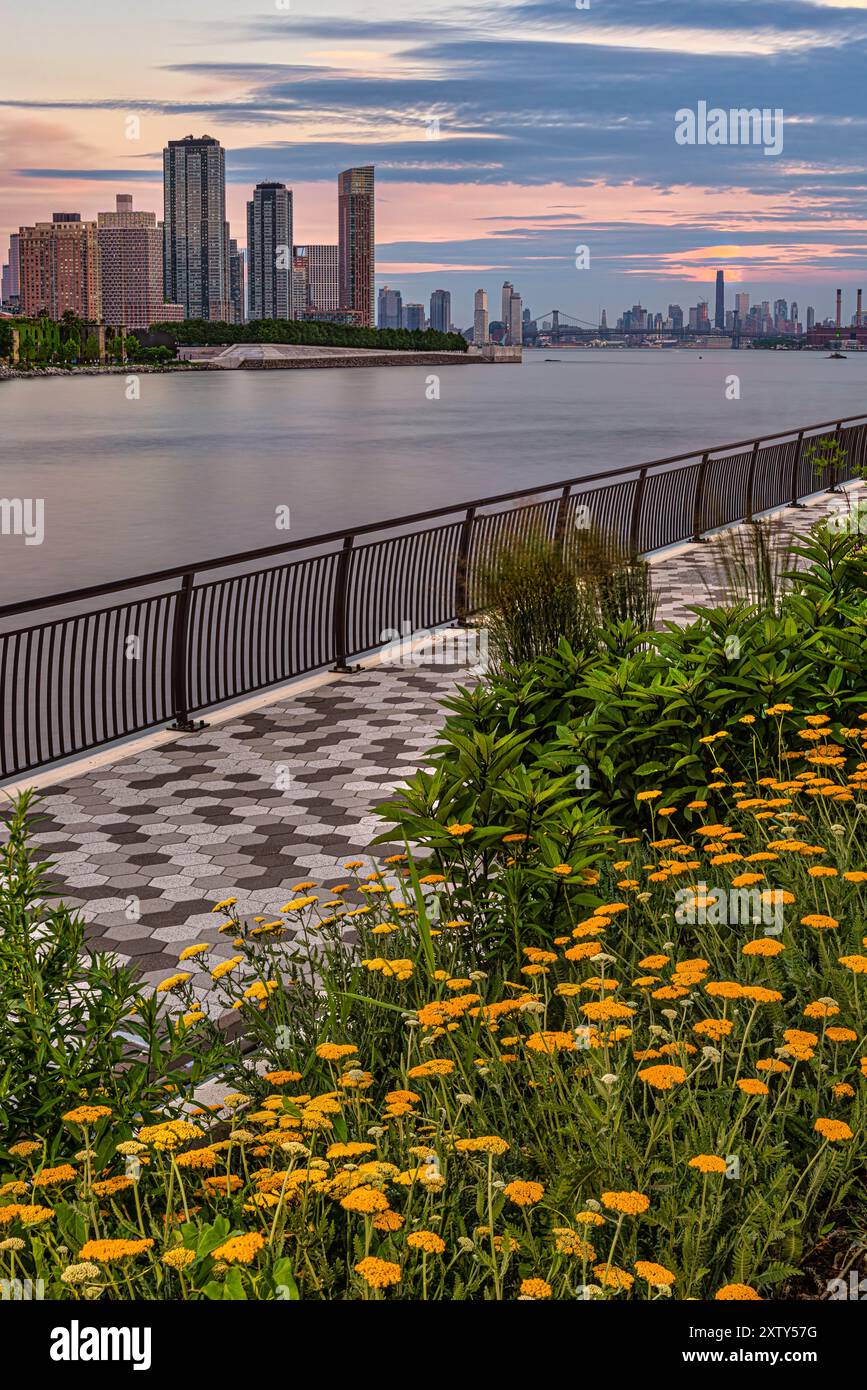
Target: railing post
835,485
637,503
180,640
751,480
562,512
796,463
698,514
462,567
341,607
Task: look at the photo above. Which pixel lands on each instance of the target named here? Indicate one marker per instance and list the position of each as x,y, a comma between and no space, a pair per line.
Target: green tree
200,332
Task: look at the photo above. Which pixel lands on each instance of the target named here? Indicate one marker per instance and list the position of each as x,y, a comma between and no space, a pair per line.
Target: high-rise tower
269,252
356,240
59,268
131,267
480,317
441,311
195,244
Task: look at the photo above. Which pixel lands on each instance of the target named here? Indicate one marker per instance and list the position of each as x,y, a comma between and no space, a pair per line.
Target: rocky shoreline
112,369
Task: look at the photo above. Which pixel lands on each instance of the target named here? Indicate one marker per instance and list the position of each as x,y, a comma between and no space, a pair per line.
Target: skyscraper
131,267
195,244
389,308
514,322
323,280
719,320
300,282
480,317
441,311
236,282
357,242
811,317
675,313
742,307
413,318
12,280
269,252
505,302
59,268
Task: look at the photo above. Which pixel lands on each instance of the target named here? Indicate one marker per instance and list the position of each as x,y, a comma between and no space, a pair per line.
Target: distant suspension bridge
560,326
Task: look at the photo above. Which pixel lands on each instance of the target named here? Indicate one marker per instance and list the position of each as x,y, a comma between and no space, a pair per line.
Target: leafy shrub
643,708
71,1024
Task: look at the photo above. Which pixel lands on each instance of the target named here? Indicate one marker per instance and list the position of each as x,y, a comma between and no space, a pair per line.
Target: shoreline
332,362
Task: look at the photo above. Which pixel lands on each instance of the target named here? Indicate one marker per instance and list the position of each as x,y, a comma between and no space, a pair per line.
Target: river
199,465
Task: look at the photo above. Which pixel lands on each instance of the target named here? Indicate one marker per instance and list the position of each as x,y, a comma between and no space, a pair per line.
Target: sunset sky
556,128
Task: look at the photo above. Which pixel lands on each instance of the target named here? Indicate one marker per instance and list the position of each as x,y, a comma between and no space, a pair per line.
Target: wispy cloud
555,125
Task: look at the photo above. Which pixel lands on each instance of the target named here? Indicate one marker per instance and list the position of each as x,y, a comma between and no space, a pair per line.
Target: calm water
198,465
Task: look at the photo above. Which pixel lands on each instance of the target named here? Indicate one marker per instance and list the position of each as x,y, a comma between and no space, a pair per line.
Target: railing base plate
346,670
188,726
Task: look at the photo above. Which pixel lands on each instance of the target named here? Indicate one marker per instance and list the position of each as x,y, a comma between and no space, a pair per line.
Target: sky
505,135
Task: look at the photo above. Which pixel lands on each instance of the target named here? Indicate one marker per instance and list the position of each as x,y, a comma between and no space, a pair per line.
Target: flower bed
656,1090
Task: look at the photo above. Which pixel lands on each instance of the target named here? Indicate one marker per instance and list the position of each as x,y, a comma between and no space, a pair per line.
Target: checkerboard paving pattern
146,845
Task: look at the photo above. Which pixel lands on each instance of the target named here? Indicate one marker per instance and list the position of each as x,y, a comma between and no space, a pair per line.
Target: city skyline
716,285
481,179
311,266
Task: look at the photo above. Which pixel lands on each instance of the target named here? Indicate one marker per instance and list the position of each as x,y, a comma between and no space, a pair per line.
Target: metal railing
174,643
